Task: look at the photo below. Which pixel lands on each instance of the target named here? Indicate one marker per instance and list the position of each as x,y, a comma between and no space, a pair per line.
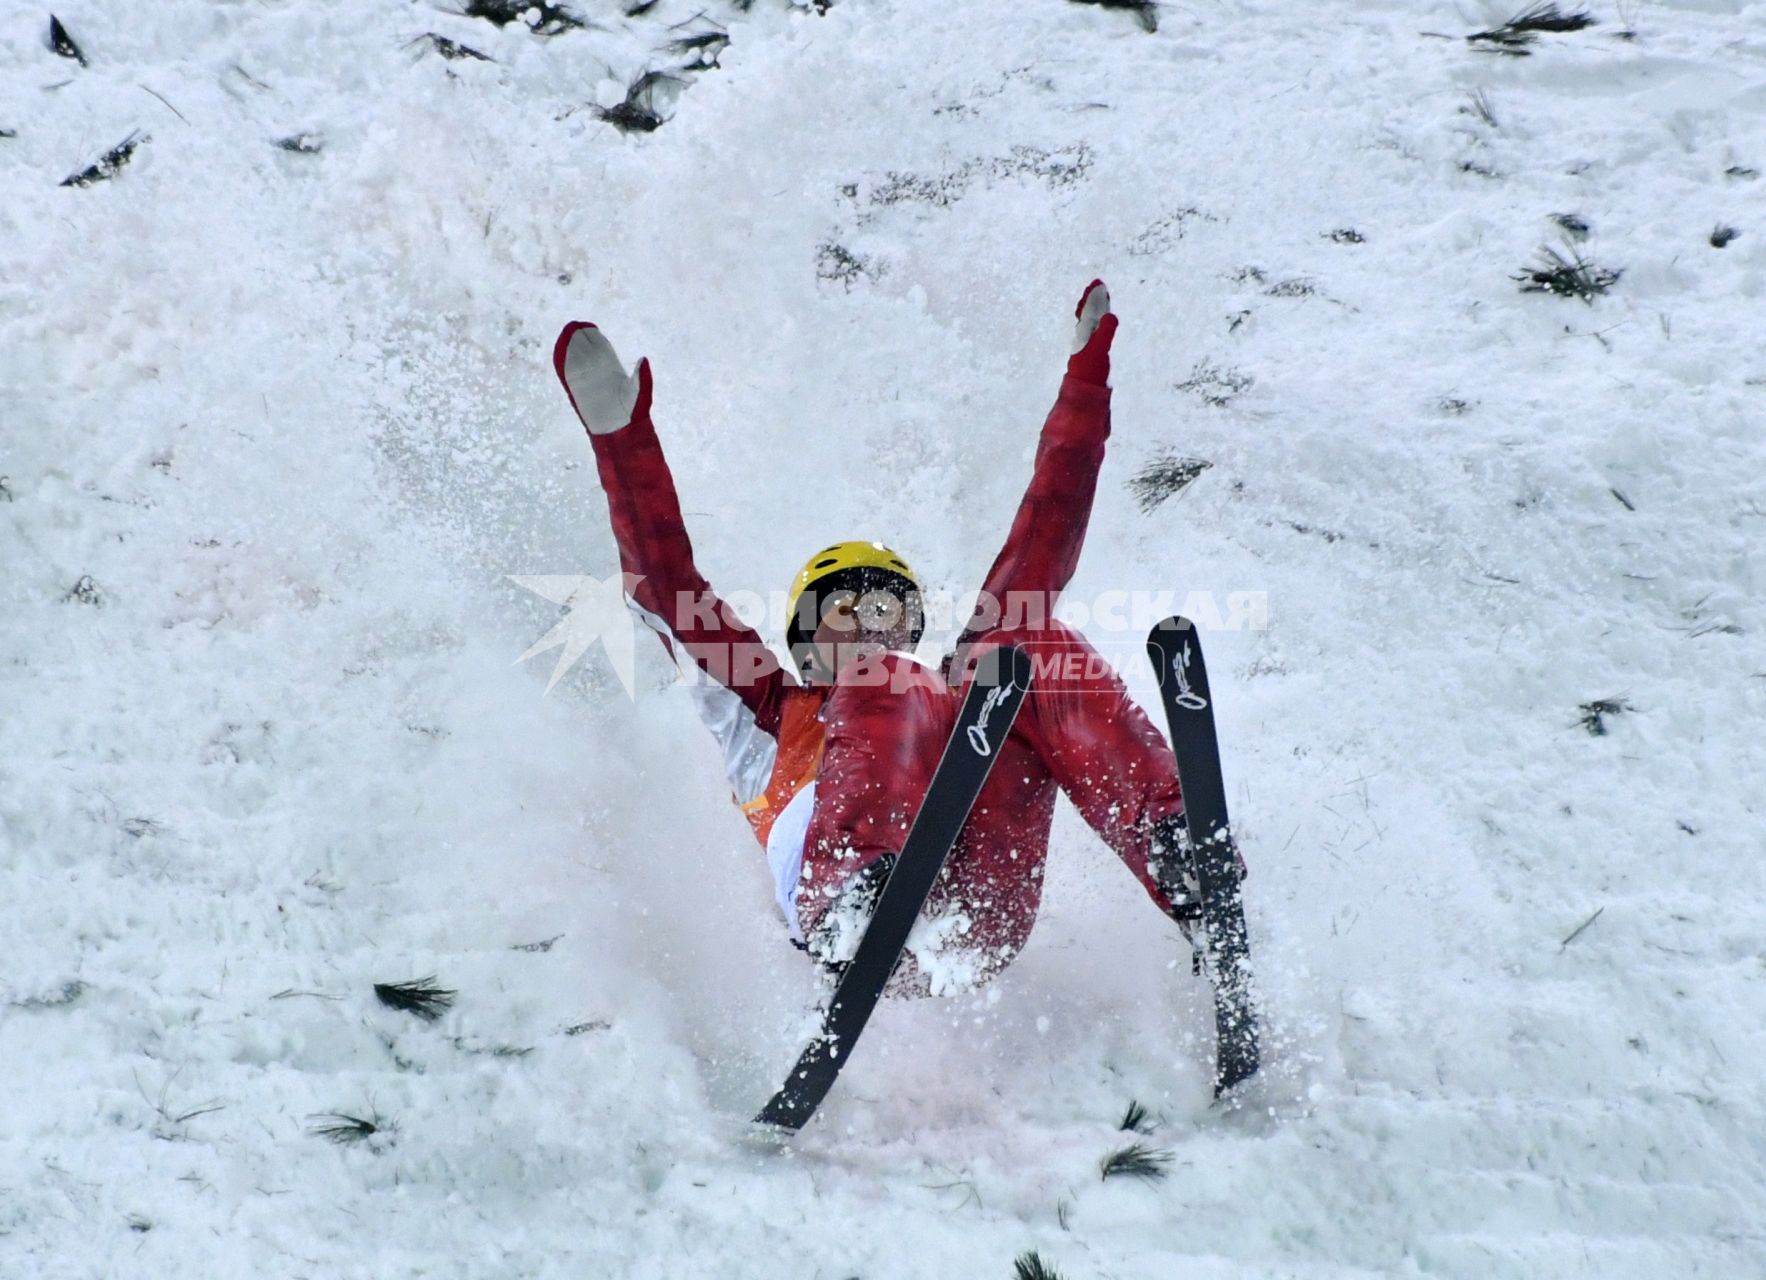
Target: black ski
1176,652
986,716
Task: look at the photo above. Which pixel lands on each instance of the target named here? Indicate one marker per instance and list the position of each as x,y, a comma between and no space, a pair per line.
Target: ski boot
1173,866
1172,862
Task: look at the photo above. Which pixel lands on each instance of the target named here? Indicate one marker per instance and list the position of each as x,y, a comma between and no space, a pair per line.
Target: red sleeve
1042,549
653,545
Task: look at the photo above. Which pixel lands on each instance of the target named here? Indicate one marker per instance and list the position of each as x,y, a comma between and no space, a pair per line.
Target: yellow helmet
850,566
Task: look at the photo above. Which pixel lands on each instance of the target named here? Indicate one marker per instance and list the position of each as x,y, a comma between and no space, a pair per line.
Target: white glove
600,389
1093,307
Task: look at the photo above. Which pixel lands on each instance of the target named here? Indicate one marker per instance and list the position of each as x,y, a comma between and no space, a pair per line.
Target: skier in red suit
828,759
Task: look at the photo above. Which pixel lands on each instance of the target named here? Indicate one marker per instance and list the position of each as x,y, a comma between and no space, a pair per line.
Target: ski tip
1008,666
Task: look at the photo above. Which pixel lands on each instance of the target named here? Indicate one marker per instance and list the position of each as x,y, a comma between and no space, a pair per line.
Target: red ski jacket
771,726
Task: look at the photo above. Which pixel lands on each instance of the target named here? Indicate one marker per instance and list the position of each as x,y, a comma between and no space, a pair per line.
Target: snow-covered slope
276,427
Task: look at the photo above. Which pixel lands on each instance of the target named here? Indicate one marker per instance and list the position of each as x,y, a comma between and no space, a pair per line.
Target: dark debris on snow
1145,11
1514,36
1594,714
649,96
1571,277
1573,224
1163,477
108,165
541,18
705,48
1137,1160
343,1129
62,43
1030,1266
421,997
452,50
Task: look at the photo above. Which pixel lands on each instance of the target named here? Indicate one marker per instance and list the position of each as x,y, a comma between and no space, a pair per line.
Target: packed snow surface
278,431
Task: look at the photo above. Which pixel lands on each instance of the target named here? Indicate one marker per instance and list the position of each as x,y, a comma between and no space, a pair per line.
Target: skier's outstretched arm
670,593
1042,549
